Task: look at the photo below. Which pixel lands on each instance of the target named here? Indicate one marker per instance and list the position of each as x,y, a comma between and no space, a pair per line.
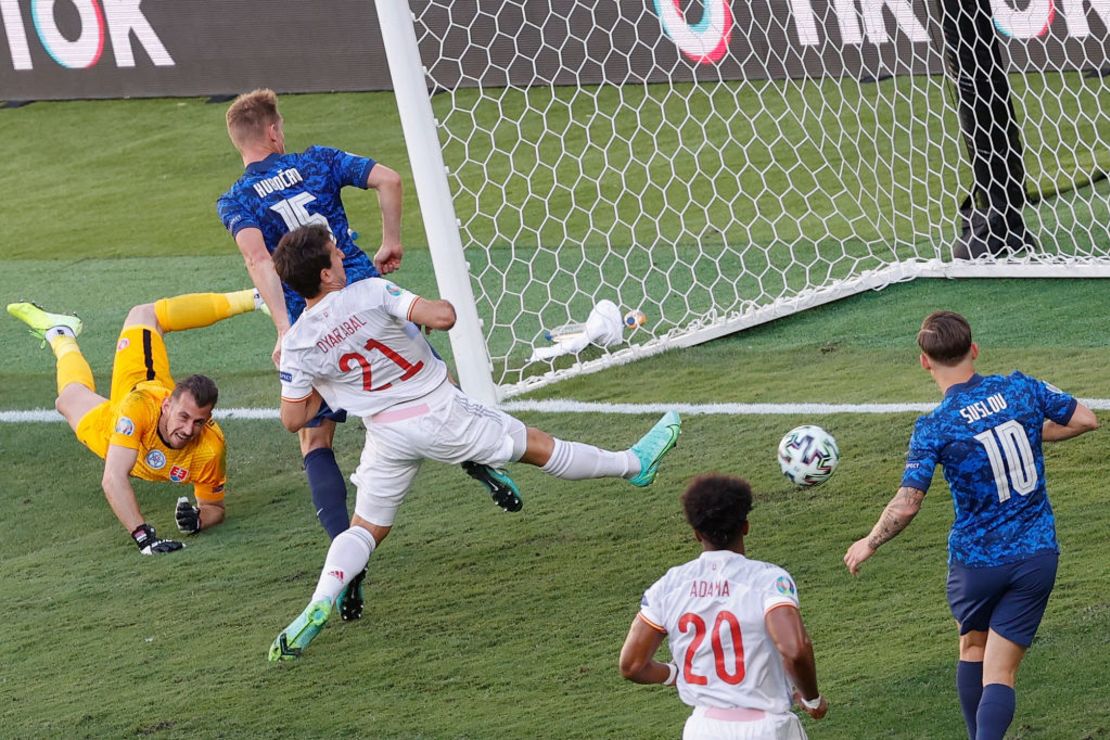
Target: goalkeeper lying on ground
149,427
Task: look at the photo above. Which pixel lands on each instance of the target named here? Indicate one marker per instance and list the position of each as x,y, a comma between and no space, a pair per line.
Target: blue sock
969,686
996,711
329,491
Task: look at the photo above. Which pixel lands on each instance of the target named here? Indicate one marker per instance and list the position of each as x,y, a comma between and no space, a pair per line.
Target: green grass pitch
479,624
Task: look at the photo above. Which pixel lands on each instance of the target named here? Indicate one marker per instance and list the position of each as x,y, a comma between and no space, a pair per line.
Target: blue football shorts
1009,599
326,412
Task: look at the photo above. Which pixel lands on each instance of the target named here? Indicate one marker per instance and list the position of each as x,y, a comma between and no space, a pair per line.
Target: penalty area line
565,406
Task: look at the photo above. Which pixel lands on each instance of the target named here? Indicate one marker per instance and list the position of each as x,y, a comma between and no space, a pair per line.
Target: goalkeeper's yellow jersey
132,422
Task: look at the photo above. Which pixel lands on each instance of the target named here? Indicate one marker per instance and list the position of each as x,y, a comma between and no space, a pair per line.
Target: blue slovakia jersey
986,433
284,191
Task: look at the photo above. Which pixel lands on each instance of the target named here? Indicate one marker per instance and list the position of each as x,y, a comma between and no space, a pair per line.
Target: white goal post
719,164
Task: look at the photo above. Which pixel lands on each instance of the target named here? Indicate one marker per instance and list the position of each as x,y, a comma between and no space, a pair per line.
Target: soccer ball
634,319
808,455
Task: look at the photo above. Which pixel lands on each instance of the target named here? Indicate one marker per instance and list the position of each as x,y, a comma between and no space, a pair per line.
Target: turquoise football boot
502,489
651,448
293,640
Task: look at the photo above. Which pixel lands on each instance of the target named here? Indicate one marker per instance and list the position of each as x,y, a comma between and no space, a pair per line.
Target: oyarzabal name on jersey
345,329
280,181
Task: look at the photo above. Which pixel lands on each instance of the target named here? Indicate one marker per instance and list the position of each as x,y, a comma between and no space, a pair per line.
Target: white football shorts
446,426
707,723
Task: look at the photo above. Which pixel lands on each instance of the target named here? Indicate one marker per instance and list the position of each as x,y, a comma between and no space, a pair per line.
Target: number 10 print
1009,450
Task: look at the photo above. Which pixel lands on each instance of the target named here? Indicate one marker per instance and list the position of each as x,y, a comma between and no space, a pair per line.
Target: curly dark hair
717,506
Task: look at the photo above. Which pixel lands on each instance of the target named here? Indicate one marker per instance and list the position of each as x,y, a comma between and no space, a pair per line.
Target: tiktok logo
706,42
1030,23
82,52
98,20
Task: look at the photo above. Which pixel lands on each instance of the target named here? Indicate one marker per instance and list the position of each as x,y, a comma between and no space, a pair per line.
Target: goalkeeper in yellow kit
149,427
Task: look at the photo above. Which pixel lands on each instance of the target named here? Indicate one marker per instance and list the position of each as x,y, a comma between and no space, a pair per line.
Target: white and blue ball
634,319
808,455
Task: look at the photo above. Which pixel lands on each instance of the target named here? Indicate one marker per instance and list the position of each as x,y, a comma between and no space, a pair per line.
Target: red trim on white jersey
649,623
790,604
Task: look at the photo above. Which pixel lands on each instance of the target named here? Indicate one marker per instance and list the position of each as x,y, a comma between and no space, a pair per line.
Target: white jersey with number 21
712,610
358,349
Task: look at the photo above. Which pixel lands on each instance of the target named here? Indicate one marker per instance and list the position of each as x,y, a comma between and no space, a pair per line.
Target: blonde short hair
250,115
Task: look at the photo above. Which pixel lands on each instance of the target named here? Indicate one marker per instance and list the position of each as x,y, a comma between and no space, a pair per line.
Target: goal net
717,164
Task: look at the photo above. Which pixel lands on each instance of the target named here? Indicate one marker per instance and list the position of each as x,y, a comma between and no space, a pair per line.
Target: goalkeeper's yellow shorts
140,357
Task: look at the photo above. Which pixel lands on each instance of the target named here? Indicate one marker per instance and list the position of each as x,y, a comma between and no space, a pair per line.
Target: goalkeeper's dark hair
301,255
201,387
945,337
717,506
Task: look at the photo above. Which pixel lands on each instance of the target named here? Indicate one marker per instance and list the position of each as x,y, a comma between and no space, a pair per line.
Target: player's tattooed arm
896,516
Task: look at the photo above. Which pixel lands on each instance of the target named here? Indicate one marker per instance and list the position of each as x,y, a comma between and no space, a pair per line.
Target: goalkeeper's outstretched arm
121,497
117,487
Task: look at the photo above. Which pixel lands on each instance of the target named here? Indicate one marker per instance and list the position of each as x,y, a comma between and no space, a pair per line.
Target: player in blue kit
1002,552
278,192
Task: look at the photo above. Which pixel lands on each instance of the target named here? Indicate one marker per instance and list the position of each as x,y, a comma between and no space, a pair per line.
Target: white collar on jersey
719,554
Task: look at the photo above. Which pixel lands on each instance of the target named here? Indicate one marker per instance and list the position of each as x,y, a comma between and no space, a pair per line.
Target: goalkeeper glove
187,515
149,543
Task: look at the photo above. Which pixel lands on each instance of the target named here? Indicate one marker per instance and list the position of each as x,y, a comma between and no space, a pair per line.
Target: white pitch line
561,406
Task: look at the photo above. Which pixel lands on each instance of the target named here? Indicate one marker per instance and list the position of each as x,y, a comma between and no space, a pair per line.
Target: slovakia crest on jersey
178,474
156,459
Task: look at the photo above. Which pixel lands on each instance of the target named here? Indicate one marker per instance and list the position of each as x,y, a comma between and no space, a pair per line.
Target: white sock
60,331
577,461
348,555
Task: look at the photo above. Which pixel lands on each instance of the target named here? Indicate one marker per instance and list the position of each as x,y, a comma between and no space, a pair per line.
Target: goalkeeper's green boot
651,448
40,321
292,640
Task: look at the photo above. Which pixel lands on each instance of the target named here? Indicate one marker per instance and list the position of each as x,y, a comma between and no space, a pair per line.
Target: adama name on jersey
336,336
982,409
280,181
703,589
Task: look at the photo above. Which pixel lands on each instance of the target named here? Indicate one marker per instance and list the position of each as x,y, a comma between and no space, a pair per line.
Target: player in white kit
733,627
351,348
